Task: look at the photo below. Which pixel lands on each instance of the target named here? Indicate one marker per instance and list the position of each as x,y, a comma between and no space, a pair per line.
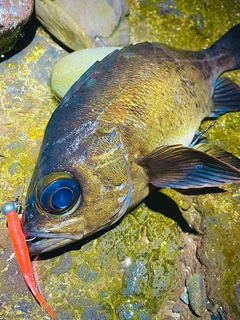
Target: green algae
225,132
128,272
182,24
131,266
220,249
217,217
24,96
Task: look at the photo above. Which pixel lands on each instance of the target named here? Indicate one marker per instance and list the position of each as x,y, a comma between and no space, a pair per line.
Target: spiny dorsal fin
98,67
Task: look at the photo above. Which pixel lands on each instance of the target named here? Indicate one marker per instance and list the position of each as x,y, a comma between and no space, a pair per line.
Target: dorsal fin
98,67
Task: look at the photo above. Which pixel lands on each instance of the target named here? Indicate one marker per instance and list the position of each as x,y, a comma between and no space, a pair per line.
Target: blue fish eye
59,195
62,198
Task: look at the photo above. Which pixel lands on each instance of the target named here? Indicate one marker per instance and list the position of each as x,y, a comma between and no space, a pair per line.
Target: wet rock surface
196,293
13,15
84,24
216,216
219,253
138,269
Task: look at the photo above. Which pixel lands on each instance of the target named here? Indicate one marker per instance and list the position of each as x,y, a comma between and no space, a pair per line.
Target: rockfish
124,128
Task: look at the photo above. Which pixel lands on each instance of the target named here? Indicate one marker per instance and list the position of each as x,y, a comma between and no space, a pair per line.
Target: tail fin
227,49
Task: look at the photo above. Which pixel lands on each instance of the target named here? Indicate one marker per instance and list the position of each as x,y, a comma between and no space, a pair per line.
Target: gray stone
177,308
197,293
84,24
238,291
13,15
184,296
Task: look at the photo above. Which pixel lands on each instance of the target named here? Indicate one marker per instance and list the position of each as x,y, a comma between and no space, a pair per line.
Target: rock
220,250
13,15
184,296
84,24
196,293
238,291
72,66
88,281
219,244
177,308
126,271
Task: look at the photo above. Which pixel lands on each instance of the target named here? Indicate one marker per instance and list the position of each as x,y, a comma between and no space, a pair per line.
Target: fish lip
42,245
41,242
47,235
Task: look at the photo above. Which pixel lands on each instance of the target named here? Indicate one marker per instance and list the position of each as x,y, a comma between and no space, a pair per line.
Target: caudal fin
224,56
227,49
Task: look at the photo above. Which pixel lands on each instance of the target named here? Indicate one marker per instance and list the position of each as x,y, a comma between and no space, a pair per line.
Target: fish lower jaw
37,246
41,242
52,235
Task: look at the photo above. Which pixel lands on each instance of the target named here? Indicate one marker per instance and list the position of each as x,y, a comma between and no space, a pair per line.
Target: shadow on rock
26,36
161,203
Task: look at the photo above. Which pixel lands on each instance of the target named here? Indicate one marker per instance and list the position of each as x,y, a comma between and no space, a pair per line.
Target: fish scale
123,129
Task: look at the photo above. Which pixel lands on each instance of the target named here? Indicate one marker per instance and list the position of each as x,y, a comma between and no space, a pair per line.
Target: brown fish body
159,96
104,146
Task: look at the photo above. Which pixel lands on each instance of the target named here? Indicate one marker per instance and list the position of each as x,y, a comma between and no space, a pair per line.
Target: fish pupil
57,195
62,198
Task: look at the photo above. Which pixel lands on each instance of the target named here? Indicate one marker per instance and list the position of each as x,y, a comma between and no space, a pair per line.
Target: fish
125,128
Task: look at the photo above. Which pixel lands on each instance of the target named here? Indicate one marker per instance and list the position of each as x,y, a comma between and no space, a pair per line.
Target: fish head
77,194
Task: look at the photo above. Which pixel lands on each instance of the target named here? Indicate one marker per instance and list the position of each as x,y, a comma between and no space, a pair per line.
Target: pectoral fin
176,166
218,153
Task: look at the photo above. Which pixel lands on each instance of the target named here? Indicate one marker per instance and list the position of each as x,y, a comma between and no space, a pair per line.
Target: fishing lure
22,255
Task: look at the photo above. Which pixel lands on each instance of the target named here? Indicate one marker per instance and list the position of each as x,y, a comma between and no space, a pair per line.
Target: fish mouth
40,242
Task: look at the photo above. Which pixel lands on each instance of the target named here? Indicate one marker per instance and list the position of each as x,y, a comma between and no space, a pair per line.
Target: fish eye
62,198
57,193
